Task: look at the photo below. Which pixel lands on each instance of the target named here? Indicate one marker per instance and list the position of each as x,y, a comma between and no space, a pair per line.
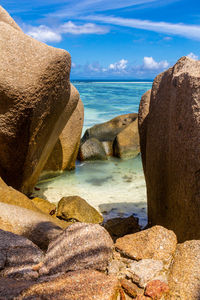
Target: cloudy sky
124,39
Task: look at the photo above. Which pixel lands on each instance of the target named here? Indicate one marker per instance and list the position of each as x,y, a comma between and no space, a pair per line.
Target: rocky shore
68,251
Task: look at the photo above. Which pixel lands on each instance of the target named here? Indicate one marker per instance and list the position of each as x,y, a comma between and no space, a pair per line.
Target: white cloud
149,67
150,64
85,7
193,56
44,34
119,66
87,28
188,31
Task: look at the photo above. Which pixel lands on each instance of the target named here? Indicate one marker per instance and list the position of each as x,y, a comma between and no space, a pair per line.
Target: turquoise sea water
115,187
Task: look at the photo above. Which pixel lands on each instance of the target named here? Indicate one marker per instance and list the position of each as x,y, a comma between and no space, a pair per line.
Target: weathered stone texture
171,151
17,256
80,246
65,151
157,243
184,278
80,285
34,103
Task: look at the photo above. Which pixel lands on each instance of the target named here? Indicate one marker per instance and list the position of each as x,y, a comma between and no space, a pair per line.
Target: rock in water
126,143
80,246
107,131
18,256
80,285
92,149
171,151
75,207
65,152
184,277
118,137
34,103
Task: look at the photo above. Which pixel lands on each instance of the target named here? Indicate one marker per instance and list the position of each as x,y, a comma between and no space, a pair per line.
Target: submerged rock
184,277
170,134
157,243
84,285
80,246
65,151
18,255
34,106
76,208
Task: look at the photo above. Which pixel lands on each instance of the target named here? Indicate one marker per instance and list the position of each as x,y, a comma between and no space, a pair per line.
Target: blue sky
122,39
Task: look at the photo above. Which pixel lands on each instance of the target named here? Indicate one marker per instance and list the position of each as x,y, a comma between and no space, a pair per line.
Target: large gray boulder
169,124
35,103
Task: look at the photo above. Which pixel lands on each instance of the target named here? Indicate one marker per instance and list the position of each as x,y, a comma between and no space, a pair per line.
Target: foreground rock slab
118,227
84,285
18,255
80,246
157,243
76,208
11,288
37,227
184,278
170,134
34,106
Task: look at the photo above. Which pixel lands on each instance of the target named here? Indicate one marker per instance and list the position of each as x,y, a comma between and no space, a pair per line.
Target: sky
121,39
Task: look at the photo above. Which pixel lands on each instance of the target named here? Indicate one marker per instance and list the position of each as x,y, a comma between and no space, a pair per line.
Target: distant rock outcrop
117,137
169,123
34,103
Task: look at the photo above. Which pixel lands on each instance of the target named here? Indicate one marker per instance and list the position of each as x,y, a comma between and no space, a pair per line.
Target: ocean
115,187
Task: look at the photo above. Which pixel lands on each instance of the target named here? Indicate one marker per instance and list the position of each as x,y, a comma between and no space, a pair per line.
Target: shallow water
115,187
